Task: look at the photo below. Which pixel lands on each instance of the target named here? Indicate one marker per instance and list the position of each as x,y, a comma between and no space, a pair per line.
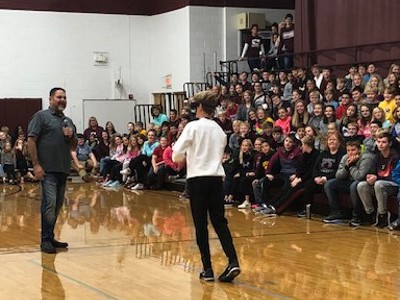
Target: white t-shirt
203,143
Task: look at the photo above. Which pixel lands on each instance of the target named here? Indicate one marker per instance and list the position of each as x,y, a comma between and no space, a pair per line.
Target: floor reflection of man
52,287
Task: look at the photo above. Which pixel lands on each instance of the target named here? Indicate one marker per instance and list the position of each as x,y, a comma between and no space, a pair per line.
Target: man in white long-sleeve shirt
202,144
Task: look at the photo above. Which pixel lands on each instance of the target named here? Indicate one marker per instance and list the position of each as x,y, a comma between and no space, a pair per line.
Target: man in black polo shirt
51,137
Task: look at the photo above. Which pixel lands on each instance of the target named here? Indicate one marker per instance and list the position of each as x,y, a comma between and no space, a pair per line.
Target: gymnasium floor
126,245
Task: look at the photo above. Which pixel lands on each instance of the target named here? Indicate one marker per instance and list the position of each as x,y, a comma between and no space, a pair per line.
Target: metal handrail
142,113
191,88
311,56
211,80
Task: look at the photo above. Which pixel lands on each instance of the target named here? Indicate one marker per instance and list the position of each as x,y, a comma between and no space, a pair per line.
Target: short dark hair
353,143
254,25
277,129
154,107
289,16
301,125
358,89
55,89
377,122
227,150
80,136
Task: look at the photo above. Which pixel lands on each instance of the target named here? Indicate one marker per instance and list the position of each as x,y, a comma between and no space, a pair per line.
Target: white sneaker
126,171
139,186
107,183
114,184
245,204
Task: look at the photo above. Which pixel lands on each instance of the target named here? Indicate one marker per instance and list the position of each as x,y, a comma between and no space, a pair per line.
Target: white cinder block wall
41,50
169,37
206,40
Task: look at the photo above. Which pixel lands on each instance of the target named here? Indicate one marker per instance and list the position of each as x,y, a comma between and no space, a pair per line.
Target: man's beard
61,108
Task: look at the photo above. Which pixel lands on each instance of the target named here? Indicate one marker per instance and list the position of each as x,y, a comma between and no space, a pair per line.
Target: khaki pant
88,165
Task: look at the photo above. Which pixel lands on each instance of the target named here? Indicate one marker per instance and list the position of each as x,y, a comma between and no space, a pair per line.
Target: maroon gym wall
341,32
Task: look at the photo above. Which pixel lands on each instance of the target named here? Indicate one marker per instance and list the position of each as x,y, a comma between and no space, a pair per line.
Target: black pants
254,63
158,179
286,197
22,165
140,165
282,181
242,186
206,198
115,172
310,188
10,171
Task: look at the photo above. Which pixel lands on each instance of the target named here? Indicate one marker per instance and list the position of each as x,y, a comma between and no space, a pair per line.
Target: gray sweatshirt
357,171
8,158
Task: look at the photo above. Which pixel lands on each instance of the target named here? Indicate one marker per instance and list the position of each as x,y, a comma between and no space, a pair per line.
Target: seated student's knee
354,185
330,184
379,184
255,183
362,185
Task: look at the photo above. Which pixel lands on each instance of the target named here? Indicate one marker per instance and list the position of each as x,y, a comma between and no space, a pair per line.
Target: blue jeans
53,190
335,186
103,162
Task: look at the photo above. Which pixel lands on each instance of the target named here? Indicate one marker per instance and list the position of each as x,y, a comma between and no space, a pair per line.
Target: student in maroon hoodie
282,169
282,200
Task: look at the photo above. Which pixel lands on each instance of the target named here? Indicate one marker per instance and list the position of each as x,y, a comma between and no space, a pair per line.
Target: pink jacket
167,157
284,124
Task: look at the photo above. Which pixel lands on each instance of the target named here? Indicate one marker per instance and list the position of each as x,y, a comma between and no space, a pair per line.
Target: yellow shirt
388,107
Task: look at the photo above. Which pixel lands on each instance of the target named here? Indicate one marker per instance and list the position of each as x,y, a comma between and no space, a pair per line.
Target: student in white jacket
202,144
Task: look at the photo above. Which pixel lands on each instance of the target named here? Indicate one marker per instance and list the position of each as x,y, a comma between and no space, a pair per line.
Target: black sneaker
383,220
355,222
47,247
370,219
302,214
231,271
207,275
334,218
57,244
395,225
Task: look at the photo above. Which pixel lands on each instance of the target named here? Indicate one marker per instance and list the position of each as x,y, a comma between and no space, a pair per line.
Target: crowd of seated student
296,109
138,159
